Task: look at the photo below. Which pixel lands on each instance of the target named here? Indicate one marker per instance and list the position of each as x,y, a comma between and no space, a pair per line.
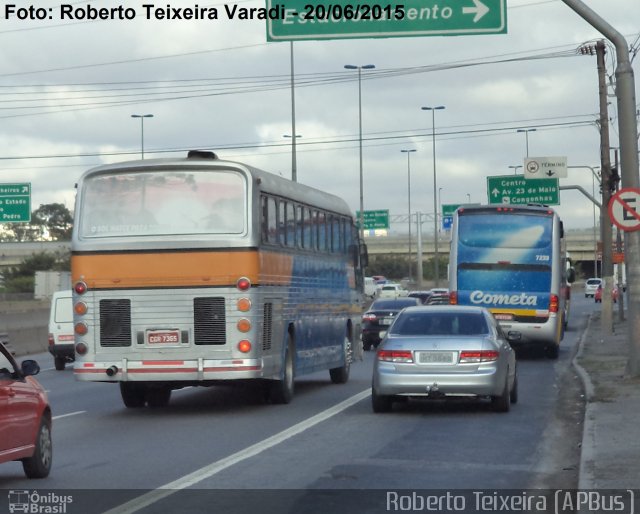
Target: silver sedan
440,351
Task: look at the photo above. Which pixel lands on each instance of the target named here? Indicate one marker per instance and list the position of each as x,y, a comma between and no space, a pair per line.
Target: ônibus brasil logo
482,298
38,503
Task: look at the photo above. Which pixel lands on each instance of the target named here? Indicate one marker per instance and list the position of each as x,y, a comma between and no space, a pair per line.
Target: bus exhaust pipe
111,371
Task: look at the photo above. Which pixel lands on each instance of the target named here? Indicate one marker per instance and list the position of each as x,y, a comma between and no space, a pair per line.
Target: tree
21,278
56,219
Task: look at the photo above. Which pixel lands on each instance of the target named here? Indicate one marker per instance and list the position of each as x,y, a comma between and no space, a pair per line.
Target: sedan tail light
479,356
395,356
369,317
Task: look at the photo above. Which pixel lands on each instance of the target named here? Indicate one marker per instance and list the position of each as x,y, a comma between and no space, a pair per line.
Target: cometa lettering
482,298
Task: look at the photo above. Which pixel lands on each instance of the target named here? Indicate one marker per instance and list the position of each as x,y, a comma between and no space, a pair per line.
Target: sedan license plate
386,321
436,357
163,337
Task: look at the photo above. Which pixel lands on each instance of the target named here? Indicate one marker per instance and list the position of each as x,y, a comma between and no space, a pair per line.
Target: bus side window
272,220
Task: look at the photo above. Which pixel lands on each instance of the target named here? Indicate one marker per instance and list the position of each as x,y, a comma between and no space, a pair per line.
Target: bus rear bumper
198,370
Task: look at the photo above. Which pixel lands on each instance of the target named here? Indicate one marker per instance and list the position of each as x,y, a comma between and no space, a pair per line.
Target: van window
63,312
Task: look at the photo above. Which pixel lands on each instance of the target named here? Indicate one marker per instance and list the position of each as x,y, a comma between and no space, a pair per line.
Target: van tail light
52,341
479,356
395,356
453,297
554,303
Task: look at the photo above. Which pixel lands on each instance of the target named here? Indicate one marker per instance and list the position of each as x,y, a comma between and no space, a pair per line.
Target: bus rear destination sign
15,203
349,19
516,190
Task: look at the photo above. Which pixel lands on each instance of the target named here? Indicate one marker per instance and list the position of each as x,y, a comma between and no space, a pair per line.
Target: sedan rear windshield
440,324
397,305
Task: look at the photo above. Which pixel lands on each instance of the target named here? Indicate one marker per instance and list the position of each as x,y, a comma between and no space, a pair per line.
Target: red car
25,417
614,294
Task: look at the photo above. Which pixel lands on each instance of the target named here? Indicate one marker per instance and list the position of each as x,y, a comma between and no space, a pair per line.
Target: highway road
326,448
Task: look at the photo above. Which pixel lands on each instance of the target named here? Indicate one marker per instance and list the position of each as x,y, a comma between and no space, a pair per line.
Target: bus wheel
133,395
281,391
341,375
158,396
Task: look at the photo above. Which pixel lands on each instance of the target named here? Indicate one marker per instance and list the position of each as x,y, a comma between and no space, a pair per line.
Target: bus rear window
491,231
163,203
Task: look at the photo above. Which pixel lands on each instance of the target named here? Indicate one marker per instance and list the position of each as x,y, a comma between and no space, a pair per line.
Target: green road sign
515,190
292,20
375,219
15,203
449,208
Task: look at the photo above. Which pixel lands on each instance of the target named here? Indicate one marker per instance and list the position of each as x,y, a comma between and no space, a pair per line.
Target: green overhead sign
375,219
292,20
15,203
516,190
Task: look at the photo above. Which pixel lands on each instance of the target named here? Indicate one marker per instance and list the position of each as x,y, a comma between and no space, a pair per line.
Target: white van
370,287
61,338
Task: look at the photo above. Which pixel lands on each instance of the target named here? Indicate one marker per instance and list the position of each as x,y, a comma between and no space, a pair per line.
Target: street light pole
526,136
142,117
294,164
360,68
515,169
435,191
409,152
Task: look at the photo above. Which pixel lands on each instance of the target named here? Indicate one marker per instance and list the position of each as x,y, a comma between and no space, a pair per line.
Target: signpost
343,19
545,167
623,209
516,190
374,220
15,203
447,214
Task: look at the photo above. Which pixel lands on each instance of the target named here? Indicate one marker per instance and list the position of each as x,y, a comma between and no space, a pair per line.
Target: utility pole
605,167
628,130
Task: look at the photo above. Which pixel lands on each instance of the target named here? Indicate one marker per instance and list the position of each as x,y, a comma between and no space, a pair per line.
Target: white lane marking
201,474
69,414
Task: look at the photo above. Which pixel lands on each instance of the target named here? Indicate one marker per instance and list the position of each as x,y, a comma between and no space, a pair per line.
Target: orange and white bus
196,271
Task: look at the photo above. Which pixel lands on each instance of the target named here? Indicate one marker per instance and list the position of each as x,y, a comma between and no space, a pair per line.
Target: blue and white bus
512,260
200,271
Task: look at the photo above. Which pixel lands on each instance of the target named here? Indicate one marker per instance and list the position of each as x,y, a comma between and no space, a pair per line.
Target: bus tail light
479,356
244,325
80,308
81,328
402,356
244,305
244,346
453,297
80,287
554,303
82,349
243,284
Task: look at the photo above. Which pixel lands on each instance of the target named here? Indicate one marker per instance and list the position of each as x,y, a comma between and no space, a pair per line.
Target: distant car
376,321
423,296
369,287
441,351
392,290
61,338
439,297
615,293
591,286
25,417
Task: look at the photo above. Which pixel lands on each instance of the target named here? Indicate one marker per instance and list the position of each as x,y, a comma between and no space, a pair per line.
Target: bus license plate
435,357
503,317
163,337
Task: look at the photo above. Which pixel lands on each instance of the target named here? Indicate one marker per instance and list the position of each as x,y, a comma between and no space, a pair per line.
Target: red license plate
163,337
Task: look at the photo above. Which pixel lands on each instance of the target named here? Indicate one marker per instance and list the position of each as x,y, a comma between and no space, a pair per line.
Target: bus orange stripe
164,269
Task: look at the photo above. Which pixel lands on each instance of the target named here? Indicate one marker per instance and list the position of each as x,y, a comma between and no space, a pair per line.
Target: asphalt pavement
611,440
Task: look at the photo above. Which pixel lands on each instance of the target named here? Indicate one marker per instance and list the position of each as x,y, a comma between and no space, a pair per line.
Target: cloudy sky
69,88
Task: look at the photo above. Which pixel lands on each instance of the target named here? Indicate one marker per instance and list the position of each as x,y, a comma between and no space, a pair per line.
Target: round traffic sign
623,209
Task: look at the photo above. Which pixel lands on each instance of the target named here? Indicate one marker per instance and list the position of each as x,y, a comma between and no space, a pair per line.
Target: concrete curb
586,478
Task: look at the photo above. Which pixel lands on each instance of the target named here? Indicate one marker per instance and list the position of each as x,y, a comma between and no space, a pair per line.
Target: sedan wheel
502,403
39,464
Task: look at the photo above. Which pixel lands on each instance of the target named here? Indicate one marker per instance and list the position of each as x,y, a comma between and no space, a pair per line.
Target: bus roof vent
201,154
